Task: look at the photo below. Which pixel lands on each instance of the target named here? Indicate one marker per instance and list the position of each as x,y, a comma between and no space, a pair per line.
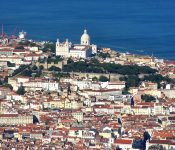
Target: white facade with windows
46,85
82,50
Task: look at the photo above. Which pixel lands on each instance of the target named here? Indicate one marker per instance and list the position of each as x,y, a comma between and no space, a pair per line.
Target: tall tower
62,49
57,47
85,38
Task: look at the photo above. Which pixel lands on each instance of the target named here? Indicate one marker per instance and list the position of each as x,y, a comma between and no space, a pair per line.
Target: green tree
131,81
157,78
1,83
93,66
103,78
19,47
8,86
49,47
41,67
34,67
125,91
38,73
21,90
24,43
9,64
54,68
27,72
20,69
33,44
148,98
103,55
94,79
60,74
57,59
69,61
94,61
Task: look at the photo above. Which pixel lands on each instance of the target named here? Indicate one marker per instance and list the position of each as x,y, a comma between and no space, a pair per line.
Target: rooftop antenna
13,34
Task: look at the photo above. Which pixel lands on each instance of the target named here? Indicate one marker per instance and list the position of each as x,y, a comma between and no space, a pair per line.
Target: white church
82,50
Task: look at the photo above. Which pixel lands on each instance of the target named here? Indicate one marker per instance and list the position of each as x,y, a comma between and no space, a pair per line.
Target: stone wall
113,77
47,66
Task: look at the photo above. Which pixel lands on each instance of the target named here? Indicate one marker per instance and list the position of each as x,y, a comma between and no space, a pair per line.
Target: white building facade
82,50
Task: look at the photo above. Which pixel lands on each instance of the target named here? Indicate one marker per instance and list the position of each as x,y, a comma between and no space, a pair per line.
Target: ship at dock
6,39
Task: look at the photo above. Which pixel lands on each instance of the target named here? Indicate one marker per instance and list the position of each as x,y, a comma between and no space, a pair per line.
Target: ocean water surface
136,26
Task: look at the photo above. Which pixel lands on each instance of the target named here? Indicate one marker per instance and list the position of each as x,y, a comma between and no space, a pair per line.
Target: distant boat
22,35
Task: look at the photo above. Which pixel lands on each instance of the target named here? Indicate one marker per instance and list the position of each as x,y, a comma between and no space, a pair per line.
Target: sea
145,27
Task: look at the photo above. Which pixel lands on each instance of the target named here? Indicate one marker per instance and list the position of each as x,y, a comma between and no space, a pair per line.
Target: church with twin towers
83,50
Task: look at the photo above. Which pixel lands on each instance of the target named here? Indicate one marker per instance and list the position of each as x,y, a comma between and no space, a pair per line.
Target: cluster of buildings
77,112
83,50
85,114
33,84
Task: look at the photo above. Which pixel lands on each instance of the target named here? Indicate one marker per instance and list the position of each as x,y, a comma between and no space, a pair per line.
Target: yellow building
53,104
78,115
13,82
67,104
156,93
15,119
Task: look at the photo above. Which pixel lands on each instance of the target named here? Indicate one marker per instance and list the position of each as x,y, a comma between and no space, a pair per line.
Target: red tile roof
123,141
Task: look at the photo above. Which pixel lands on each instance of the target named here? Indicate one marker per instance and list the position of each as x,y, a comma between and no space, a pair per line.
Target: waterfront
137,26
73,94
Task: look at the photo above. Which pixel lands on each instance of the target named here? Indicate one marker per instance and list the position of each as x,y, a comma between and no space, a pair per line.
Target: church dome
85,38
